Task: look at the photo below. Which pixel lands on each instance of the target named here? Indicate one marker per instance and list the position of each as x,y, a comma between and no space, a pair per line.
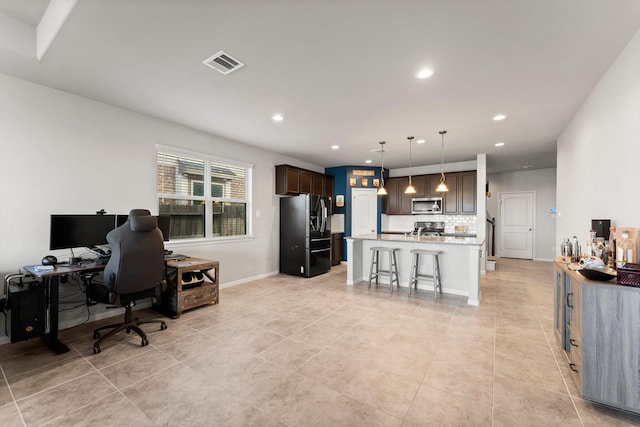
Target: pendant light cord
410,138
382,162
442,132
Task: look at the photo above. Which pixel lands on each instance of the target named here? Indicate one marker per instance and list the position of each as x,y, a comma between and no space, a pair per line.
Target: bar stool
417,275
393,266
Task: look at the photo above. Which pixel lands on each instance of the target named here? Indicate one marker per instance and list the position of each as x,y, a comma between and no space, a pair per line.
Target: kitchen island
459,262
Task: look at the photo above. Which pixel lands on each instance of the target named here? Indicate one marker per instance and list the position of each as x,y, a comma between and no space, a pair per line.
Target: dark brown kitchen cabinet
287,180
432,183
328,186
450,198
405,199
317,184
337,245
392,199
291,181
420,184
459,200
467,192
306,179
397,201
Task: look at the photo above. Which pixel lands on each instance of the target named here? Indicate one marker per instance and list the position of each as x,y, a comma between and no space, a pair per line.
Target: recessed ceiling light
424,74
499,144
335,147
368,161
525,167
420,141
277,117
499,117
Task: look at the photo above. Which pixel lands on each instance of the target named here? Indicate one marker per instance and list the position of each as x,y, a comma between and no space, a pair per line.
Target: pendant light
382,191
442,187
410,188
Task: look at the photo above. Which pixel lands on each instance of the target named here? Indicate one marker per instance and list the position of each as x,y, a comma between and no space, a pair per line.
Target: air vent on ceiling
223,62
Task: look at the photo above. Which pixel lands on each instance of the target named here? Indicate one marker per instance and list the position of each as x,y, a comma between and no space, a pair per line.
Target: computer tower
27,304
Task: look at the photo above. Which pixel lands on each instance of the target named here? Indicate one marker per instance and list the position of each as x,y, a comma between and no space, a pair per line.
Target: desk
175,300
51,279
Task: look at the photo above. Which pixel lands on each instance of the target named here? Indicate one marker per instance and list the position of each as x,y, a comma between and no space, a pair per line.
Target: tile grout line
15,402
564,380
493,377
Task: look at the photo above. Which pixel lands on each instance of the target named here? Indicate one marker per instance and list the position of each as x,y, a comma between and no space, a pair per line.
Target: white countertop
448,240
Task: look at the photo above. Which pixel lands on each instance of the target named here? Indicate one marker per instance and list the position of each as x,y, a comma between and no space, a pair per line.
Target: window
204,195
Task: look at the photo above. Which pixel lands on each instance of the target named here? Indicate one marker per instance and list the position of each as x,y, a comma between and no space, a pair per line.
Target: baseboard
544,259
249,279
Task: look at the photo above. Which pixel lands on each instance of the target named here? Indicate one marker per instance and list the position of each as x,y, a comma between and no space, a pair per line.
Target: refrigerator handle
324,215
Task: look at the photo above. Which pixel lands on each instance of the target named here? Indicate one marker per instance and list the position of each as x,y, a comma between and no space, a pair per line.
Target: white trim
200,241
207,197
249,279
190,153
533,220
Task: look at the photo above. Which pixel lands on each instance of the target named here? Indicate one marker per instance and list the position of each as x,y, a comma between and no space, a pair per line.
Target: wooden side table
185,289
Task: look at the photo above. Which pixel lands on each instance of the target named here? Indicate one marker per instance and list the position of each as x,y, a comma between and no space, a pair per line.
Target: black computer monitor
164,224
79,231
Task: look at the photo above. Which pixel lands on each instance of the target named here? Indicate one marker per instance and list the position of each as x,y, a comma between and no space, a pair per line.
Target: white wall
65,154
599,153
543,183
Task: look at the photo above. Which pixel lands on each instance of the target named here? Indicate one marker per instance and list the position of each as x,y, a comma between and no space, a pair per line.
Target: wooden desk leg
51,339
214,280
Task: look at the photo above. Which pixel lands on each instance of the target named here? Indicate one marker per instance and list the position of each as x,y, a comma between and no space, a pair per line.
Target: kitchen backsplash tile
337,223
405,222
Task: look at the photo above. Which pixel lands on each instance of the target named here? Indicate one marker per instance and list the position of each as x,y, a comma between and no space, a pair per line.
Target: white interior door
516,225
364,211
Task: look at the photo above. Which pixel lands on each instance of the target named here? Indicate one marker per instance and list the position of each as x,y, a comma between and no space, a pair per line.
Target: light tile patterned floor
287,351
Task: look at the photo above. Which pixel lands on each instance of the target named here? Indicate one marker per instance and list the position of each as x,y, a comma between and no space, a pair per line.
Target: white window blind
203,205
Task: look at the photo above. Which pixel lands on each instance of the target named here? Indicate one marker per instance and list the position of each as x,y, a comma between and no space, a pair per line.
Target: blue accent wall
341,186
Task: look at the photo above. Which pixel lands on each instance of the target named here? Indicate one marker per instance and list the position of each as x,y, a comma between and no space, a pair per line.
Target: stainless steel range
428,228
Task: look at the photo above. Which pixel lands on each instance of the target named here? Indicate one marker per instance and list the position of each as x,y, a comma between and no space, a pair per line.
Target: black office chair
134,271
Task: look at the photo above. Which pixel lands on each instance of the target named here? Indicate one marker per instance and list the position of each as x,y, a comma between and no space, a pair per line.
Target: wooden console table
184,294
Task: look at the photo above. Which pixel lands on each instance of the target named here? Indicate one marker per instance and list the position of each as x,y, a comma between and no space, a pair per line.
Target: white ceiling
342,72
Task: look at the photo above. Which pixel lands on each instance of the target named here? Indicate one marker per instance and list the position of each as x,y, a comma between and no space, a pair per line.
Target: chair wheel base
144,342
96,349
96,335
163,326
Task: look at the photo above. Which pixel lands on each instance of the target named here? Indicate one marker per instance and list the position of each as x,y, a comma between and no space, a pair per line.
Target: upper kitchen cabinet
432,182
306,182
287,180
467,193
392,199
420,184
450,198
404,198
291,181
317,184
397,202
328,186
459,200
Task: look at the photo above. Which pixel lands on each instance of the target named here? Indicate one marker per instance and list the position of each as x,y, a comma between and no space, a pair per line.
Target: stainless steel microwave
426,205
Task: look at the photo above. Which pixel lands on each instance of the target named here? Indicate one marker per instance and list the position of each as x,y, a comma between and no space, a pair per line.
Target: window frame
207,198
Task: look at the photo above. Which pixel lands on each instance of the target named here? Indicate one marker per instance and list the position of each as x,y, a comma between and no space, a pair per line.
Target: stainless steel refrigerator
305,235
